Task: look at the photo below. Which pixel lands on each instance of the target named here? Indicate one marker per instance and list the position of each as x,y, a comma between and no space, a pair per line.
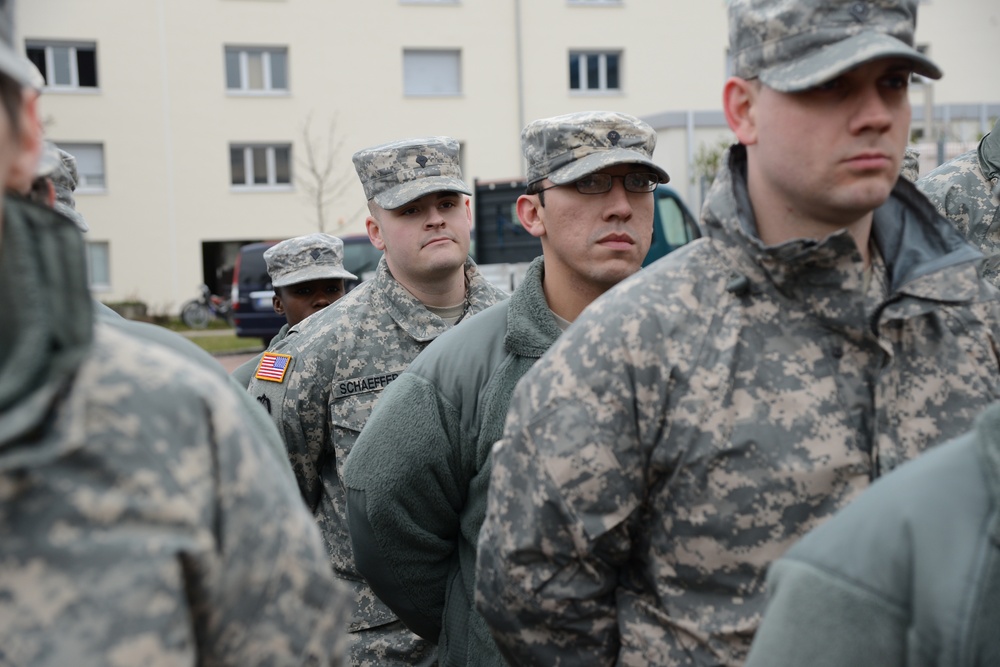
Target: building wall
166,120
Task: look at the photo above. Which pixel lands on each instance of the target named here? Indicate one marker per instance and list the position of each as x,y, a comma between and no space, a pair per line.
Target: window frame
581,55
271,162
105,246
243,54
74,64
457,51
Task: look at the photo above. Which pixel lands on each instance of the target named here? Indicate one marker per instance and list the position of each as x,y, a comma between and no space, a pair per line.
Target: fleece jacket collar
914,241
42,265
531,327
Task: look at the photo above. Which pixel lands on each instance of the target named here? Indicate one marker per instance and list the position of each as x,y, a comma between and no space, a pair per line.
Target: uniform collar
388,295
913,239
42,265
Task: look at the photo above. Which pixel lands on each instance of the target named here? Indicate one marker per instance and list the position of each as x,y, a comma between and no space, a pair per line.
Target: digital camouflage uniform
908,575
967,191
341,359
700,417
143,522
290,262
244,373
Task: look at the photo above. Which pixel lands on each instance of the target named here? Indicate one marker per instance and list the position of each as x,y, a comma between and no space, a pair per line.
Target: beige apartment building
200,125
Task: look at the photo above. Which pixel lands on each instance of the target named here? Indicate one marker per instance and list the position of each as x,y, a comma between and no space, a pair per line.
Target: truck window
675,227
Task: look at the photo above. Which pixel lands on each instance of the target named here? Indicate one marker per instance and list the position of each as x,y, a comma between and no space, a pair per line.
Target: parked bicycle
197,313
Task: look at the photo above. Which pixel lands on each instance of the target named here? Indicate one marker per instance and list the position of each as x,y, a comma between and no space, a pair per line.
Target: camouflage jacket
143,522
906,576
700,417
417,477
967,191
245,372
341,359
252,412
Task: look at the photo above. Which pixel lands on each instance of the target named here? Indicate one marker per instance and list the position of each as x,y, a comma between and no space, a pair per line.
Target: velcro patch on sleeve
272,367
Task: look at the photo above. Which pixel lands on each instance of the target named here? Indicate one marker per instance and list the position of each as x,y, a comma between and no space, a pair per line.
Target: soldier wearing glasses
702,416
417,476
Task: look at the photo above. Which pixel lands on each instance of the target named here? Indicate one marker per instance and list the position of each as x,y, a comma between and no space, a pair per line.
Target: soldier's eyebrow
900,67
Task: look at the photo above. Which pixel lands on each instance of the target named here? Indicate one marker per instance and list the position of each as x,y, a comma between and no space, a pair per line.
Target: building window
89,165
98,266
256,70
432,72
595,70
65,65
260,166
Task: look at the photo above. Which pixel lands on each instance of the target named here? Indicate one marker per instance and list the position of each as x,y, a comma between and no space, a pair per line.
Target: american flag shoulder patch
272,367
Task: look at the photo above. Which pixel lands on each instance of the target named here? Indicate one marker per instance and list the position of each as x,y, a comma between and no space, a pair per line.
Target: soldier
334,369
56,180
416,476
699,418
143,523
967,190
307,274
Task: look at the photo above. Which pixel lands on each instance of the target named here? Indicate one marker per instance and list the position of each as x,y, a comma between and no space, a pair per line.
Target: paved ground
231,361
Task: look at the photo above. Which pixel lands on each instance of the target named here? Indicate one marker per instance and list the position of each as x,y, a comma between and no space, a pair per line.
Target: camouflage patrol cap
910,168
566,148
396,173
59,167
11,63
304,258
793,45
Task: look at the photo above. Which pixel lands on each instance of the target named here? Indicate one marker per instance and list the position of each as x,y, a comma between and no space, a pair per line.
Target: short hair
531,190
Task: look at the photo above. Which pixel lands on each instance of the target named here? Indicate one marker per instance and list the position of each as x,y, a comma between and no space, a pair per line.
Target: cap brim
833,60
404,193
596,161
313,273
15,66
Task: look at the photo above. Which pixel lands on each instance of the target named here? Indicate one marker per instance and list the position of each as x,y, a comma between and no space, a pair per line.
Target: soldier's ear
529,213
374,230
739,102
277,305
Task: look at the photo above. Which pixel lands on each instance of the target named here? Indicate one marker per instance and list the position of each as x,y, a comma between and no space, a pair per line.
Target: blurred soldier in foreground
143,523
416,478
335,364
967,190
907,575
307,274
702,416
56,180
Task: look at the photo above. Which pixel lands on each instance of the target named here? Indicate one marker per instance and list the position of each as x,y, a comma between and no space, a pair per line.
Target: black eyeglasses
596,184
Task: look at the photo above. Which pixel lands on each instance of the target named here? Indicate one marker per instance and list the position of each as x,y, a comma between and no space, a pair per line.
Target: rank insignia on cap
272,367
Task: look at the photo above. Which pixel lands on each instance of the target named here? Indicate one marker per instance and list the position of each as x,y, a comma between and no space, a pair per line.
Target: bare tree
317,175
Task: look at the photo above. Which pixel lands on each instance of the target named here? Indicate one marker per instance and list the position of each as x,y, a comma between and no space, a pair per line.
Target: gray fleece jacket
906,576
418,475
